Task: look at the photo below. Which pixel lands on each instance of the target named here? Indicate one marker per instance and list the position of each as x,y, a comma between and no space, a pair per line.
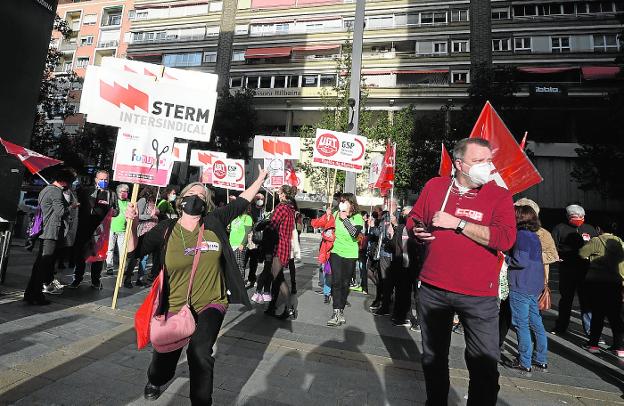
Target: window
500,13
238,56
310,81
380,22
252,82
292,81
236,81
459,77
89,19
328,80
605,43
113,19
522,44
347,23
186,59
525,11
499,45
440,47
601,7
426,18
279,81
210,57
439,17
560,44
282,28
212,31
82,62
265,82
216,6
88,40
67,66
459,46
241,30
568,8
459,15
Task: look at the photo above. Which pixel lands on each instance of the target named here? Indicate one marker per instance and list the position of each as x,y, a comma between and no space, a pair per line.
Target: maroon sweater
453,261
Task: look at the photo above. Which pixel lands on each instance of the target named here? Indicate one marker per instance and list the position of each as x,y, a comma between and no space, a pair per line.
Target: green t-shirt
118,223
344,245
209,284
239,227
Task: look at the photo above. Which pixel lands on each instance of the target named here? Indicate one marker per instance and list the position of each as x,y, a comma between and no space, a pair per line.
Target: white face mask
343,206
260,203
172,198
480,174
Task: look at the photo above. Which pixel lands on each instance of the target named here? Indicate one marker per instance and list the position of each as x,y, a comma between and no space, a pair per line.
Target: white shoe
51,289
257,298
57,284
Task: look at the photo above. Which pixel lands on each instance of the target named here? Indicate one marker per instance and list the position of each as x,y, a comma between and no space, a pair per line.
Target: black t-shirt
570,239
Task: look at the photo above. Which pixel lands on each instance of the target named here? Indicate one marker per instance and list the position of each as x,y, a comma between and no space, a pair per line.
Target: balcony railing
63,68
108,44
67,46
176,38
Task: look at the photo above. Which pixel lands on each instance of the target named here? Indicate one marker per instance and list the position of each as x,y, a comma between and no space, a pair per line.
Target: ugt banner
143,158
229,173
127,100
333,149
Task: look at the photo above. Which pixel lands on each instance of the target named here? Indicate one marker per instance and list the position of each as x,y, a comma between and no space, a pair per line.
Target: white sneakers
54,288
260,298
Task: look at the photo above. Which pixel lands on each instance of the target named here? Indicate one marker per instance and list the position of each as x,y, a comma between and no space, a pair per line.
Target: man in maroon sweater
464,221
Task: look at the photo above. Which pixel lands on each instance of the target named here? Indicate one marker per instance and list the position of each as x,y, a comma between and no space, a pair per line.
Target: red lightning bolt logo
118,95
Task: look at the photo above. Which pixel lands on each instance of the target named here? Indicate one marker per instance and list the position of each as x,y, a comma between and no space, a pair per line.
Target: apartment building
415,52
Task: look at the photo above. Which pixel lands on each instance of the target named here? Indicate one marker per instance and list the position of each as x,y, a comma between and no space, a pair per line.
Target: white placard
275,167
229,173
130,101
181,77
333,149
200,157
375,170
142,158
276,147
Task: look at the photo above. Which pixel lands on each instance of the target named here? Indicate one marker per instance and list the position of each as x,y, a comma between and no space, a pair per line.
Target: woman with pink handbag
199,278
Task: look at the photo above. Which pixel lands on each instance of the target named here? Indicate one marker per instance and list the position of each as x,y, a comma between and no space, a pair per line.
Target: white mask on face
343,206
259,202
480,173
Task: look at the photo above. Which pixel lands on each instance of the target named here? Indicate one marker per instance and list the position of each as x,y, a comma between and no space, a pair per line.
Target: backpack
257,233
35,228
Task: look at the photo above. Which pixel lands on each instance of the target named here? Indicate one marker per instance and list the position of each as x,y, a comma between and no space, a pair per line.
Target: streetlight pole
354,88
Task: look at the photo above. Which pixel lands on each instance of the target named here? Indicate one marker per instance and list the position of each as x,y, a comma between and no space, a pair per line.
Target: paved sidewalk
80,352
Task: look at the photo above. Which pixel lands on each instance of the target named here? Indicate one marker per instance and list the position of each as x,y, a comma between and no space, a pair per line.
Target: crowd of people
464,254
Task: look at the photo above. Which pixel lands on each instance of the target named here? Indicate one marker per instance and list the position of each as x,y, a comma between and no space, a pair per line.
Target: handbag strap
196,256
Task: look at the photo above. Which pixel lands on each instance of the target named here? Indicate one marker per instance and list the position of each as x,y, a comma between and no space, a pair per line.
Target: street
78,351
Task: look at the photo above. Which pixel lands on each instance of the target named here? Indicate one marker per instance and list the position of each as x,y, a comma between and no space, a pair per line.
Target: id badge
207,246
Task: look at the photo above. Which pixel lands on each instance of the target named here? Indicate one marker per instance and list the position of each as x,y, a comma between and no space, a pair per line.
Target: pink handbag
174,330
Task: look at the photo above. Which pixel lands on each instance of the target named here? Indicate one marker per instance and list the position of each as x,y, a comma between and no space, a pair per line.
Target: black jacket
155,241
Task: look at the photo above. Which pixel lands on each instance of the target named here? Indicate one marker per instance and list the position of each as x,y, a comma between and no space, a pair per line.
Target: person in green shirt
165,205
239,234
117,234
344,254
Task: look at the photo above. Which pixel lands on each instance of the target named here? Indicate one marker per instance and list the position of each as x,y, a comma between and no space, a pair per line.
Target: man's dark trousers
479,317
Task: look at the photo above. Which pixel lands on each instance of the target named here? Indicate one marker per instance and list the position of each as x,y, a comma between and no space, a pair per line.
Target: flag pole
44,179
124,254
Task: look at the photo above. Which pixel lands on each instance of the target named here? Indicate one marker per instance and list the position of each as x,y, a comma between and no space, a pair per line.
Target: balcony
63,68
108,44
171,38
67,46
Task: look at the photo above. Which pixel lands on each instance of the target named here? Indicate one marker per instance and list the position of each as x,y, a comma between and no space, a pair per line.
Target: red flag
386,176
32,160
512,164
446,163
291,178
523,142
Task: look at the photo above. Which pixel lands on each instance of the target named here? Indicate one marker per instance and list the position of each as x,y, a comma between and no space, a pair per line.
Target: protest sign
275,167
202,158
229,173
276,147
333,149
142,158
180,150
375,170
181,77
130,101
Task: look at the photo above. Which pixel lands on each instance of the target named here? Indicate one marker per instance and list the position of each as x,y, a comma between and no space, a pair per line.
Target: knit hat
528,202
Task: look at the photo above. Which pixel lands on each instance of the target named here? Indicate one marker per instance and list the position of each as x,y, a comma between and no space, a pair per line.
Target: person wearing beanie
569,238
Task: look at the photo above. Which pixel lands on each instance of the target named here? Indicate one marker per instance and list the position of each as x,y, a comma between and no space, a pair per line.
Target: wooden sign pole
124,254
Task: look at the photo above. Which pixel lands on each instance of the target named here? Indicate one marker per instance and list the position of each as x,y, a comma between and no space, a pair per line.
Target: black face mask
193,205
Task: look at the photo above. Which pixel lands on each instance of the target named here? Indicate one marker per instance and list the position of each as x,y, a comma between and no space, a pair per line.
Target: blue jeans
526,318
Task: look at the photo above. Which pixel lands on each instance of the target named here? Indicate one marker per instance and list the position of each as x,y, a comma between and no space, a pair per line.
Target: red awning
542,70
277,52
600,72
316,47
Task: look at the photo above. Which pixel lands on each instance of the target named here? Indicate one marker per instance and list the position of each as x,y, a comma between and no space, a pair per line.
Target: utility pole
354,88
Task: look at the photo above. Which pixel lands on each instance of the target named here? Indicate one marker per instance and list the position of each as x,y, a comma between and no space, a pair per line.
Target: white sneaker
266,298
51,289
256,296
57,284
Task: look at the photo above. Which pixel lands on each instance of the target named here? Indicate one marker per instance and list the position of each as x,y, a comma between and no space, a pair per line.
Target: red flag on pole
446,163
386,176
512,164
32,160
291,178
